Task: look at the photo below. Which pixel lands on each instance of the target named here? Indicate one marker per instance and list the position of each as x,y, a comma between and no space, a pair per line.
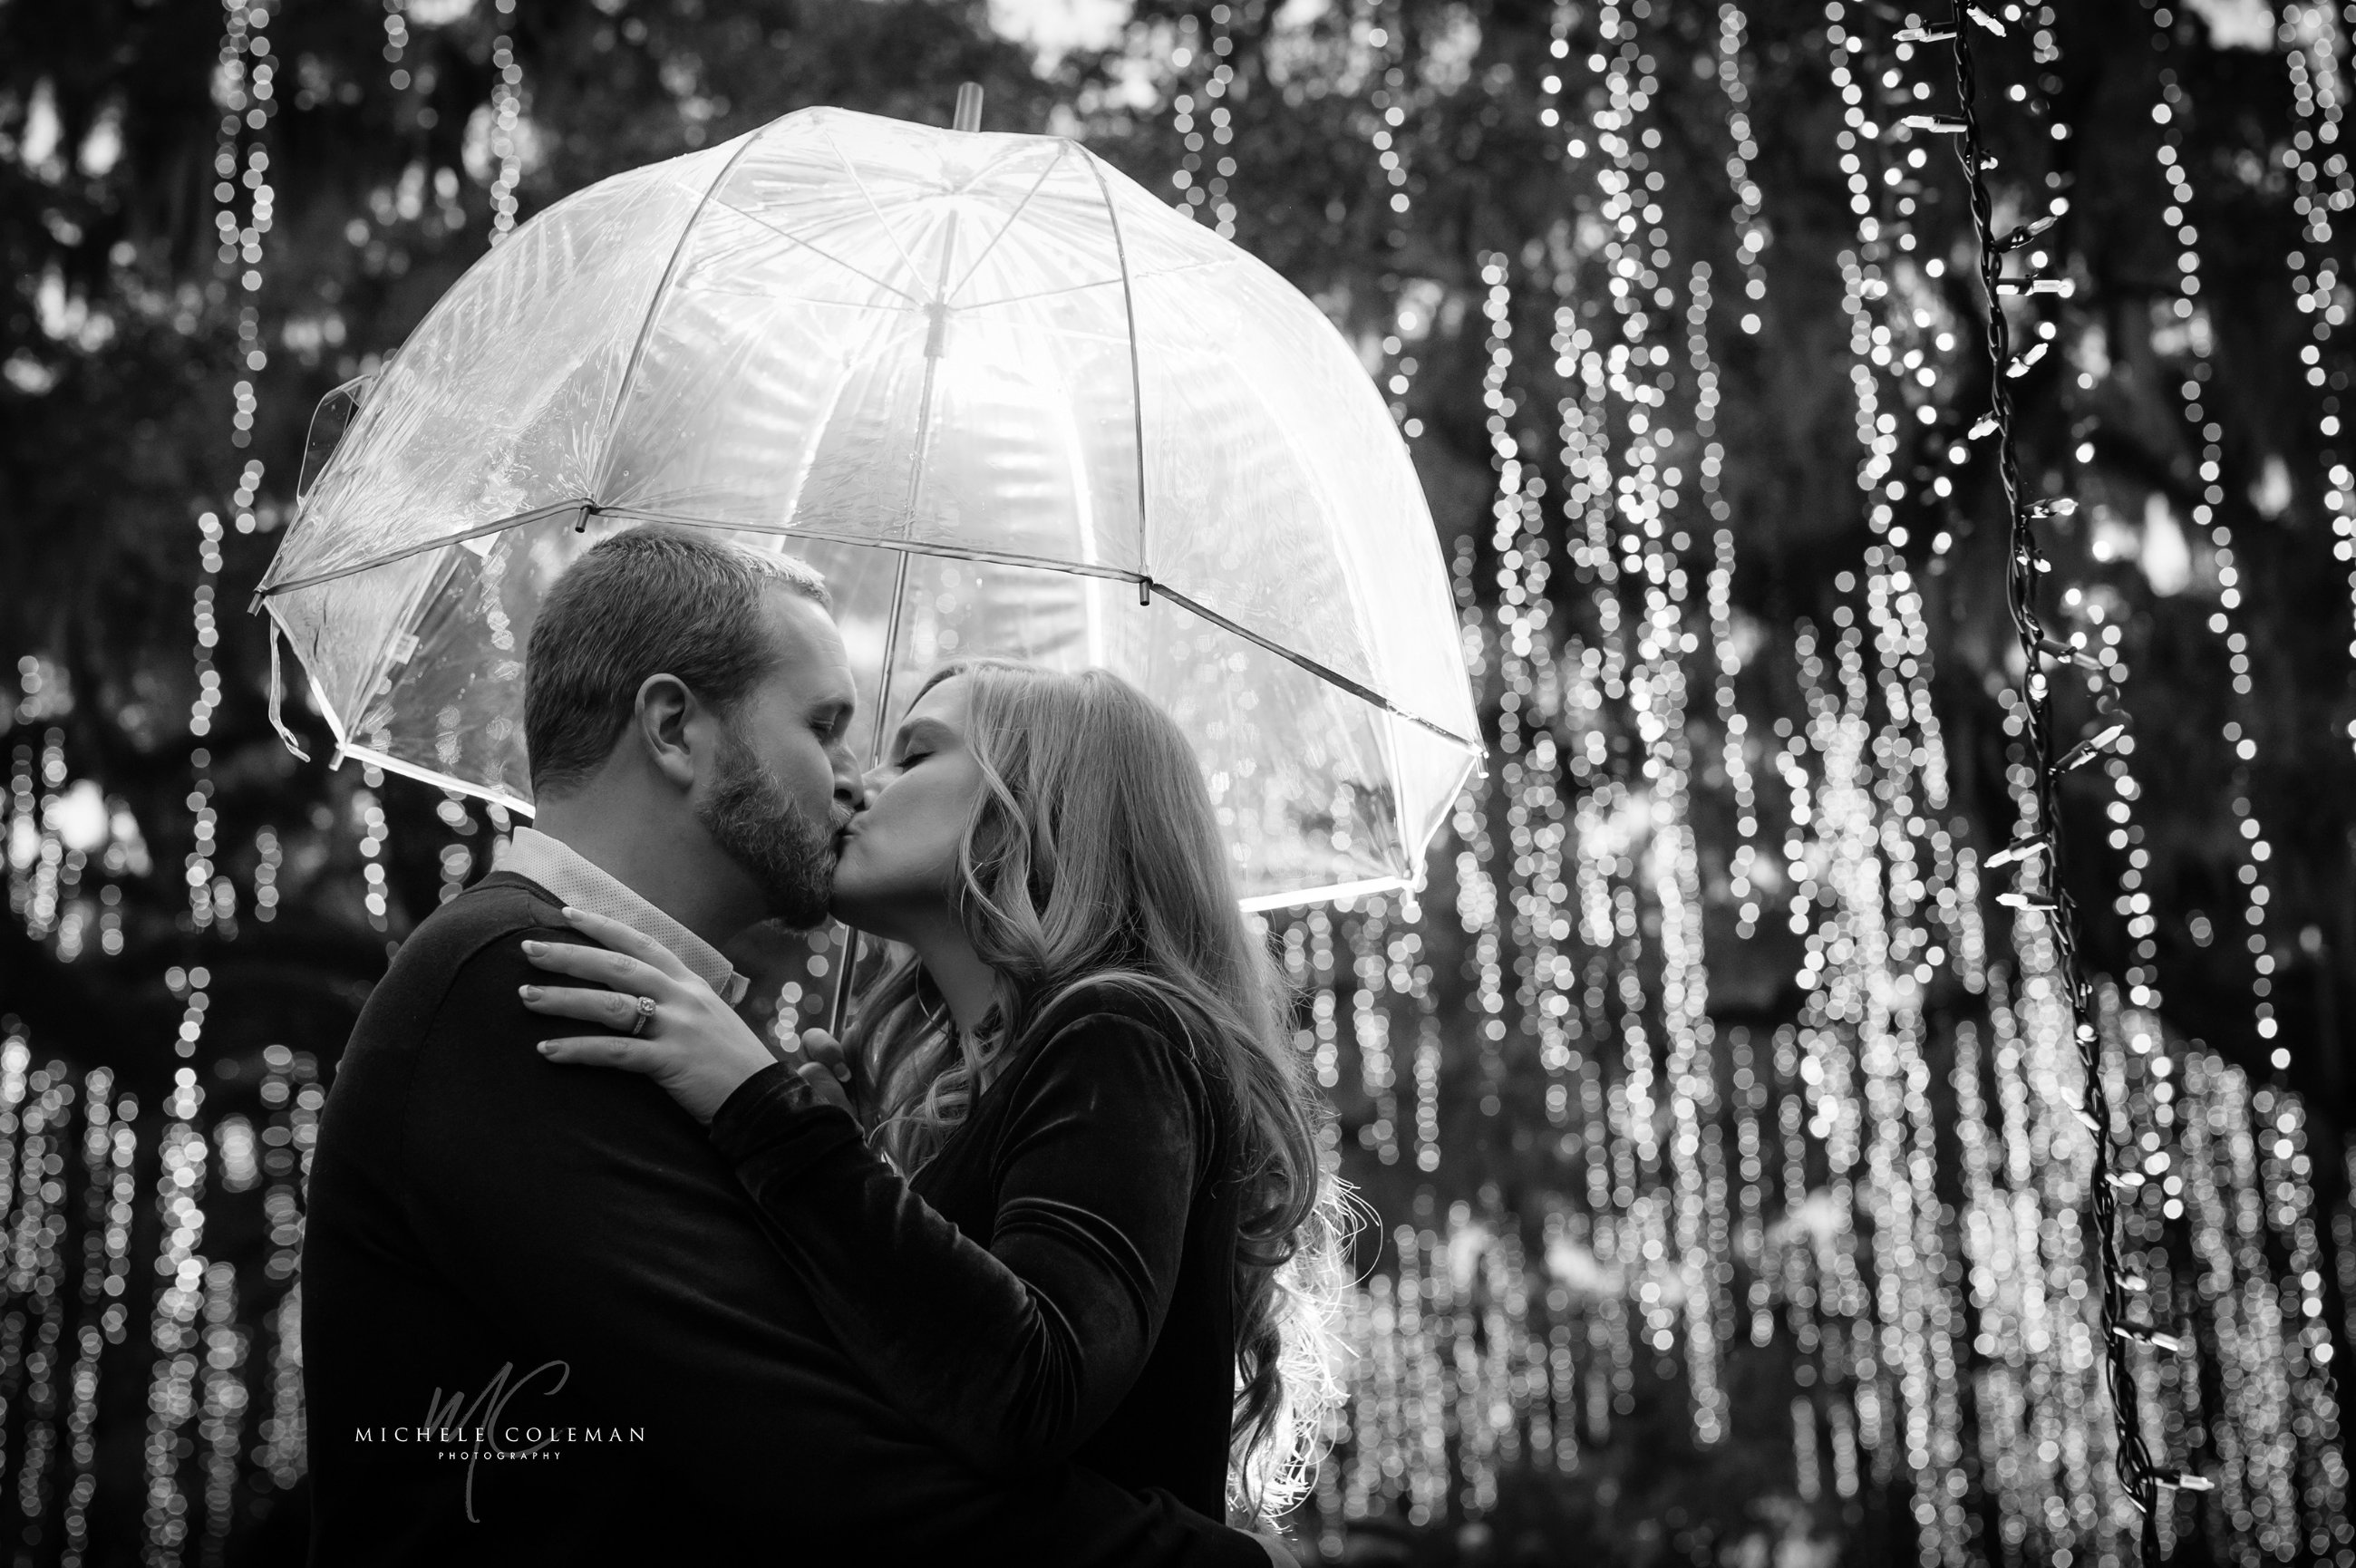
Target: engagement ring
646,1011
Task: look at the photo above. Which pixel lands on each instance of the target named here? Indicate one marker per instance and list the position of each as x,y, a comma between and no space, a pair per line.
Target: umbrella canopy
1008,402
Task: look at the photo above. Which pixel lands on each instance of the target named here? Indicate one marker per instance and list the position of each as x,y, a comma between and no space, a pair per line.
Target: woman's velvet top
1055,1282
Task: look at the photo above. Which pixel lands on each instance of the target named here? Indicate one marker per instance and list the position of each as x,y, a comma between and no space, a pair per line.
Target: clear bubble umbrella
1008,402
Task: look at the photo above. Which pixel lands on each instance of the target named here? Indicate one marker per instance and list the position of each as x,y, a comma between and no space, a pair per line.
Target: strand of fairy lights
1392,1442
396,43
1887,909
109,1151
1535,815
32,1329
2165,1383
2142,1078
1538,831
1846,1030
2240,743
1752,233
1733,726
1602,1227
2012,1297
291,1097
1478,896
2262,1413
2312,41
173,1334
1671,1221
1209,161
221,1420
507,113
246,92
2208,1167
1376,955
2286,1172
2140,1478
1881,894
37,854
1860,1010
2304,1369
1379,34
1187,177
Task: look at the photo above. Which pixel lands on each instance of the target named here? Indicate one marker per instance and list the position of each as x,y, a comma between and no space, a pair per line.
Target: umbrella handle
968,107
838,1010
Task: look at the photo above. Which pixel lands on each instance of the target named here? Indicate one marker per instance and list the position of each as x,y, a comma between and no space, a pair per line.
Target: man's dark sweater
503,1247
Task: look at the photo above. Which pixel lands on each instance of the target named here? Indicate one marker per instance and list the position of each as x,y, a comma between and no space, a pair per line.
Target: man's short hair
653,600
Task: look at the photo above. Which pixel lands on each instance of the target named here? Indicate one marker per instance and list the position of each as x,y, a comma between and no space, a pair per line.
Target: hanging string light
2312,40
1188,176
32,1324
1207,124
110,1149
1734,728
1220,159
1410,305
2241,743
2042,890
1752,233
2291,1367
396,43
506,116
173,1335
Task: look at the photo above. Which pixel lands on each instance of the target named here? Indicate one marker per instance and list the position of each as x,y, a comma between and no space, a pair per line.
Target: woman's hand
826,1072
690,1042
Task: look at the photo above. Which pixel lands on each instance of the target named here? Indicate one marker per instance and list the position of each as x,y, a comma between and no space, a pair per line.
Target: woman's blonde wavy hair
1092,857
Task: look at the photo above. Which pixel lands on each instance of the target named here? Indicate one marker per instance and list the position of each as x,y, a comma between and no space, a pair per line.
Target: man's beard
761,827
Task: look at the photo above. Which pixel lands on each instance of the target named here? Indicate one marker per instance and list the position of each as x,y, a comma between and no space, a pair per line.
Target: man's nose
850,787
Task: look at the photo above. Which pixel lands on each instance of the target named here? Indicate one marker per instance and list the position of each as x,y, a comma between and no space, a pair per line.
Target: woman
1113,1241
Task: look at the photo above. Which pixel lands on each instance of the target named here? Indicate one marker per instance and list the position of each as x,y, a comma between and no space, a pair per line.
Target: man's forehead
808,647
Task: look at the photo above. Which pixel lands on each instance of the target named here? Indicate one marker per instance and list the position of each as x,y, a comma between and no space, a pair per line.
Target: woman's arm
1014,1353
1009,1354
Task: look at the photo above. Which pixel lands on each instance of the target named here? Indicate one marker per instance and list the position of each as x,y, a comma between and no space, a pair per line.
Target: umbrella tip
968,107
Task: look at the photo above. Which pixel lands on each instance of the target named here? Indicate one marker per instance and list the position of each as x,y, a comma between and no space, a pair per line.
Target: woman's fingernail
571,914
531,946
544,1046
528,992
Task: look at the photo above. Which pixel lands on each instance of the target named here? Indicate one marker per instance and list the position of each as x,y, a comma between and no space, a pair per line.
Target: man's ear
660,720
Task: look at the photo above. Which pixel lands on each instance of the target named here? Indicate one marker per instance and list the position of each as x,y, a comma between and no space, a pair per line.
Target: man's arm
588,1216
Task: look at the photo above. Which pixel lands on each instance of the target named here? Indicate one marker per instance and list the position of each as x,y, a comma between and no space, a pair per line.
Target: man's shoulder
501,905
480,926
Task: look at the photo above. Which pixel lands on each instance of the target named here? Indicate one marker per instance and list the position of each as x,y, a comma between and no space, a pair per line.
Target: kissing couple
1036,1265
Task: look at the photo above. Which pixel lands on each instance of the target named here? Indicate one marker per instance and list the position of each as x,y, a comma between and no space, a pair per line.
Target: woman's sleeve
1011,1354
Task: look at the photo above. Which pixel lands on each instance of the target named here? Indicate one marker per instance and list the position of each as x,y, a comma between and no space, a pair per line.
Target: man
542,1322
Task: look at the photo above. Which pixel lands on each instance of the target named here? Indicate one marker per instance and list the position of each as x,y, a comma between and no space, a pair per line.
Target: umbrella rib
538,514
870,541
1006,226
1136,385
1258,902
622,387
1357,688
641,515
759,221
869,197
1095,283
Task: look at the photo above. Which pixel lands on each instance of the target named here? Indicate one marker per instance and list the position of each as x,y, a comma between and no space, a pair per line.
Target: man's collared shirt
581,884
